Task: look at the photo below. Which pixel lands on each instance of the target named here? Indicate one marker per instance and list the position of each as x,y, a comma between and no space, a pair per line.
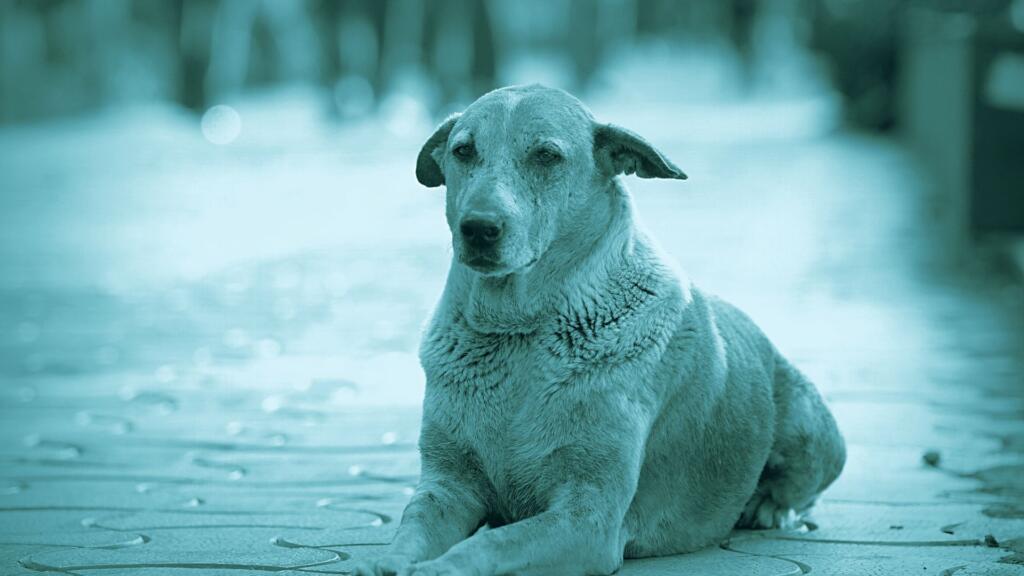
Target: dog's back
758,442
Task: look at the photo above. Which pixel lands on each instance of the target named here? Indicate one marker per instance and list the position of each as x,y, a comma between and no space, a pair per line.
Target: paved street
208,353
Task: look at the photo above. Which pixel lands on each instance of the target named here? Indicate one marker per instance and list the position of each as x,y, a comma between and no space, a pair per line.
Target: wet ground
208,353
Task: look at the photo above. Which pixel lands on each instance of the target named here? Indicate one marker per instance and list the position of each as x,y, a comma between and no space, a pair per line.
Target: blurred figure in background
64,56
412,59
859,40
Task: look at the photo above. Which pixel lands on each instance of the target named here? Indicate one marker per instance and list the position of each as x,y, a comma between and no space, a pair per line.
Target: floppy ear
620,151
428,172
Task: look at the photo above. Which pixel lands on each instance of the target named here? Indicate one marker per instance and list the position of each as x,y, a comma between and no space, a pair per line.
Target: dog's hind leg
807,455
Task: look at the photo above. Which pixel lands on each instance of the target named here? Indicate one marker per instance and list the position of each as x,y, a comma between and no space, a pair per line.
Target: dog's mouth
483,264
489,266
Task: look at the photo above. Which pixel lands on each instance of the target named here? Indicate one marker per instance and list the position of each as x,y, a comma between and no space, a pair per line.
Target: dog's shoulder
738,330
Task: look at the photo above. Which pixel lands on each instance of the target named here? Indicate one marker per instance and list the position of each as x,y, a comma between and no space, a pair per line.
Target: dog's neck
582,258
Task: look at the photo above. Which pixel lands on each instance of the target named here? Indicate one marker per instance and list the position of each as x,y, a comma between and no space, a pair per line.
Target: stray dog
582,401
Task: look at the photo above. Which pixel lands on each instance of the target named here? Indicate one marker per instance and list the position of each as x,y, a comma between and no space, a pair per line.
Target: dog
584,403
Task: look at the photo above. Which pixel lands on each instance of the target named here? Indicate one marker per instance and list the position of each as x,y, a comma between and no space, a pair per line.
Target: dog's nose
480,231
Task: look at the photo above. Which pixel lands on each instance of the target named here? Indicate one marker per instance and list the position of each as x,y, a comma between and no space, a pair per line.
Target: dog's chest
477,383
489,394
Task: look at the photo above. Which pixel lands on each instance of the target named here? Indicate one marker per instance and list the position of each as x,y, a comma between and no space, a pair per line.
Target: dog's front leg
446,508
580,533
570,539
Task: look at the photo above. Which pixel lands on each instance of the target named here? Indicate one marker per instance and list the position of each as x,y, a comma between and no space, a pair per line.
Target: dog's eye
464,151
546,156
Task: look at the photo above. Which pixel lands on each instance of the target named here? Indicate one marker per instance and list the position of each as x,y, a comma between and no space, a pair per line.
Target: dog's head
522,166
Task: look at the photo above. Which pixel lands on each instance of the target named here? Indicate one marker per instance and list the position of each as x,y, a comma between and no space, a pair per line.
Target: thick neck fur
587,252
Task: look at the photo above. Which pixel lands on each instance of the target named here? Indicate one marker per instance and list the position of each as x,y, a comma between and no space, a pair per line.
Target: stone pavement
208,354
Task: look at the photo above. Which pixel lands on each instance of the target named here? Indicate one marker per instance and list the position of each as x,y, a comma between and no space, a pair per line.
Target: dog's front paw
440,568
388,565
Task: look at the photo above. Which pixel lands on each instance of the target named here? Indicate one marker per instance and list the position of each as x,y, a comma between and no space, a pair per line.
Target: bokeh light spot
221,124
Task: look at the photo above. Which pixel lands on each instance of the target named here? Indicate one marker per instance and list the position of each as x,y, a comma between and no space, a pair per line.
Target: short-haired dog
584,403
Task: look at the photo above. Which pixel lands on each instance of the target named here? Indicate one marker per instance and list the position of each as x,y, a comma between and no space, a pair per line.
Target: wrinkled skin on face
524,158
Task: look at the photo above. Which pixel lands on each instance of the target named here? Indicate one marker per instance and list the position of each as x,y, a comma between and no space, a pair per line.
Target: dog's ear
428,171
620,151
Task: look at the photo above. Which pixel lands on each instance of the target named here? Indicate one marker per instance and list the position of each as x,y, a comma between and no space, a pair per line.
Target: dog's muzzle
481,235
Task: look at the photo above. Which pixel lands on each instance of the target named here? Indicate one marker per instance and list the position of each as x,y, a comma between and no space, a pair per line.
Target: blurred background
210,229
150,143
